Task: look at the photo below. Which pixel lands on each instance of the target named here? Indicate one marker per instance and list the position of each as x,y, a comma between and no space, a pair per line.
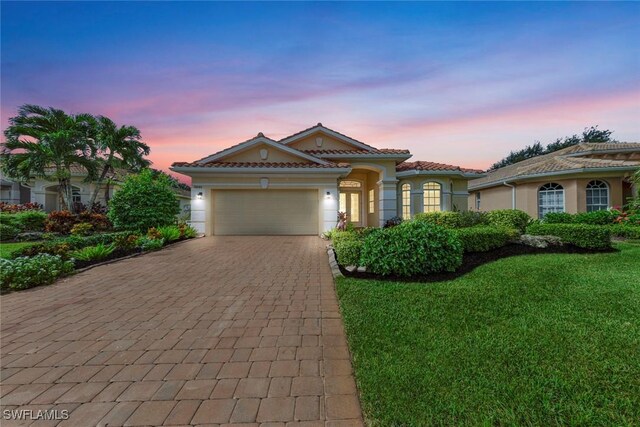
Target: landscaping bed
472,260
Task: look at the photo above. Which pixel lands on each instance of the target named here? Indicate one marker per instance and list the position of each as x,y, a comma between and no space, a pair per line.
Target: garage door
270,212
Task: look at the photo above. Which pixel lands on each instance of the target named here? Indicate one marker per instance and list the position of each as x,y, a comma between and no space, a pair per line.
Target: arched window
432,193
406,201
597,196
550,199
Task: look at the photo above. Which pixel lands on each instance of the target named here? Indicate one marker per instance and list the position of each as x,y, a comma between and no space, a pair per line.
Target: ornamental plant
93,253
82,229
23,273
169,233
509,218
144,201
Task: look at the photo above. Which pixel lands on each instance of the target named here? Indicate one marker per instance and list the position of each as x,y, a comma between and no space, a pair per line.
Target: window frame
588,189
552,189
431,207
372,200
478,200
405,200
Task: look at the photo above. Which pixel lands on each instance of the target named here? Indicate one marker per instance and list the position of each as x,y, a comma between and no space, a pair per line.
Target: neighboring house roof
586,157
433,166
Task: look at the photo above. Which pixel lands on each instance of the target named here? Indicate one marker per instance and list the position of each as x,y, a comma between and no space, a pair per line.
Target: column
387,199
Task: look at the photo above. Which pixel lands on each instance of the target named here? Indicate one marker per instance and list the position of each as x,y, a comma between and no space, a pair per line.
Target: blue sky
442,79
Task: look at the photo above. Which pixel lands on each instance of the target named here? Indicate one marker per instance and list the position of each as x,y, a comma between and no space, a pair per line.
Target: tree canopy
591,134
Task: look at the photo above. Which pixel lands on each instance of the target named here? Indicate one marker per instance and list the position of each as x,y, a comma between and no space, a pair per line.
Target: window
372,202
550,199
432,192
75,195
350,184
597,196
406,201
478,200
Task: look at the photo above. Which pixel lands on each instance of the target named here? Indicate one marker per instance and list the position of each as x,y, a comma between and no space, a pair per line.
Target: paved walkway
212,331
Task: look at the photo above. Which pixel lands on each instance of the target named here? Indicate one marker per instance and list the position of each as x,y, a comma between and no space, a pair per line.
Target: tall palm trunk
98,184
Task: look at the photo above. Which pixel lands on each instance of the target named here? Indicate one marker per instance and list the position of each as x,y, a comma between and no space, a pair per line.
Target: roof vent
319,124
260,134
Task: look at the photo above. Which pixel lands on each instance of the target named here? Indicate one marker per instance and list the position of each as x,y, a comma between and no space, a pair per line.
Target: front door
350,203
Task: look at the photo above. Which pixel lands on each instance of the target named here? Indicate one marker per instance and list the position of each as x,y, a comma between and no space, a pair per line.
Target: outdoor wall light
199,196
328,196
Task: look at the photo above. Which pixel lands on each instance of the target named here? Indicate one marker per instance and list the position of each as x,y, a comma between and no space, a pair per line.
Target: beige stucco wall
273,155
575,197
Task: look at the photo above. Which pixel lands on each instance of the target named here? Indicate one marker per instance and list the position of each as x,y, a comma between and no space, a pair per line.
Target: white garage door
265,212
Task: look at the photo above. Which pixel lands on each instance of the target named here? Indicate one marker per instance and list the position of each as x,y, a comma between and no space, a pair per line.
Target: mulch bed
475,259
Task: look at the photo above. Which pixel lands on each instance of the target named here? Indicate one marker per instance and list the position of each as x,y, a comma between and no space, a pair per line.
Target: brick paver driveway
213,331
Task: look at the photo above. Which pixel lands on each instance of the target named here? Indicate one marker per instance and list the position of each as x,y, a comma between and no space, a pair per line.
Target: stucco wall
273,155
328,143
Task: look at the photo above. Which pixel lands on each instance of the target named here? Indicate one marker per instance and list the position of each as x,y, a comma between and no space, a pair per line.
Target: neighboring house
45,192
298,184
582,178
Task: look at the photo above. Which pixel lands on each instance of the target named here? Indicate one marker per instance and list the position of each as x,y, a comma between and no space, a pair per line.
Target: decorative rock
362,269
351,268
539,241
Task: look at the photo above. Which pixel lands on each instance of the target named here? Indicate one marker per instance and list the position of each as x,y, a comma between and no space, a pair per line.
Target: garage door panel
265,212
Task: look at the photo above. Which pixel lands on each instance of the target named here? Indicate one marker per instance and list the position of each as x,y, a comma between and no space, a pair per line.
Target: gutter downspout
513,194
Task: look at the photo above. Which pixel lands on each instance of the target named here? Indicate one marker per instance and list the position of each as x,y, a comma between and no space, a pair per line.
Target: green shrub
483,238
144,201
93,253
82,229
339,236
8,232
126,241
187,231
23,273
626,231
30,220
348,251
596,217
448,219
147,244
61,246
582,235
558,218
509,218
169,233
30,236
411,248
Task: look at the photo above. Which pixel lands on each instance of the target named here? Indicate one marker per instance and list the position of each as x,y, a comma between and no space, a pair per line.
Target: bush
8,232
30,220
348,251
483,238
582,235
126,242
11,208
62,246
169,233
509,218
339,236
558,218
147,244
186,231
626,231
93,253
23,273
144,201
392,222
60,222
446,219
596,217
98,221
82,229
411,248
31,236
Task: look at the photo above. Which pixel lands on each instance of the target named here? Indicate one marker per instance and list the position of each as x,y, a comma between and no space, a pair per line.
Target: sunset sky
460,83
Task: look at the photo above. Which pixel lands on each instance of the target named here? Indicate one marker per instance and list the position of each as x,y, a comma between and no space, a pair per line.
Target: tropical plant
12,208
22,273
82,229
46,143
116,148
93,253
60,222
169,233
143,202
148,244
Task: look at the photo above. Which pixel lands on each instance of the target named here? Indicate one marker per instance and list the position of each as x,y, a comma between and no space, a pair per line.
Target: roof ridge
320,125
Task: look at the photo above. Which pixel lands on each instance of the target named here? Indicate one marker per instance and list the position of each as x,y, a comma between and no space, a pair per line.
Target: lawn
7,248
529,340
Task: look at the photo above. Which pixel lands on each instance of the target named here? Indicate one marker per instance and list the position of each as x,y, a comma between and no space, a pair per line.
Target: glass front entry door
350,203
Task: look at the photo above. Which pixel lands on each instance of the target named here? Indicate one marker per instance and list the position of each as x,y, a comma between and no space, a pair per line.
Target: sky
458,83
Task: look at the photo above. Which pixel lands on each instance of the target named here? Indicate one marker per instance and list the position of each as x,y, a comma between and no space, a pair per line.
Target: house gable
261,150
322,138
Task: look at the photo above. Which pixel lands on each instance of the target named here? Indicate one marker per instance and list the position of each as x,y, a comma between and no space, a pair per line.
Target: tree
116,148
591,134
144,201
46,143
174,182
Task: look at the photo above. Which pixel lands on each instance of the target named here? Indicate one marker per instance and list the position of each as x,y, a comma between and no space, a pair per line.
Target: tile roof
259,135
274,165
356,152
432,166
577,157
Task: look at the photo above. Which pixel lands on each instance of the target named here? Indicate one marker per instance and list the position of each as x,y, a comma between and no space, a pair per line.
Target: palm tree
45,143
117,148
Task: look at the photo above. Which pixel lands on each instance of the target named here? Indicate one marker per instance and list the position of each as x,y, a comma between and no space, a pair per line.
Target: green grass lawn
530,340
7,248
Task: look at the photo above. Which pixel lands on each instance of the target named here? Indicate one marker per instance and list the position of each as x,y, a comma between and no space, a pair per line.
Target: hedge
411,248
509,218
348,251
625,230
484,238
450,219
581,235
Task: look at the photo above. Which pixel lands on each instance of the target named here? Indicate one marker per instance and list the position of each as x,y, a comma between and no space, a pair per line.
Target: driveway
211,331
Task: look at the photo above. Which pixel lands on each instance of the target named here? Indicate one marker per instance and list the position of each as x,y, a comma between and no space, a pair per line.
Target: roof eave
187,170
414,172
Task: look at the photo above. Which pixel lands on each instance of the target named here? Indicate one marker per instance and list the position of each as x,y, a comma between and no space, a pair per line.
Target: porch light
199,196
328,196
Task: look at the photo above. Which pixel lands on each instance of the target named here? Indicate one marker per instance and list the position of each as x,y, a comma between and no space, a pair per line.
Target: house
45,192
298,184
582,178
